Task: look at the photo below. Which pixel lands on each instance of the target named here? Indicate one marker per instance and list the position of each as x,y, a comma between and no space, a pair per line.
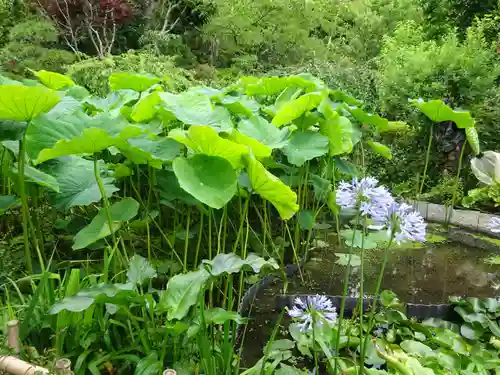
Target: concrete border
471,220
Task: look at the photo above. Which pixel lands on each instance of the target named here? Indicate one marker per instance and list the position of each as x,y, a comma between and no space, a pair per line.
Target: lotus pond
429,274
145,218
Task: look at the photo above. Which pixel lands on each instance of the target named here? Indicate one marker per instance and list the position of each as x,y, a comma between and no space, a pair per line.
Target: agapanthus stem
377,290
346,285
361,297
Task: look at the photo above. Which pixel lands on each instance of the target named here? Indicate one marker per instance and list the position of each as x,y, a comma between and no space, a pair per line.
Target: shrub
412,67
31,46
94,73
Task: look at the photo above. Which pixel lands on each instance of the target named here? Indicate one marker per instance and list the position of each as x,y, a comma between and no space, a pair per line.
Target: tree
88,21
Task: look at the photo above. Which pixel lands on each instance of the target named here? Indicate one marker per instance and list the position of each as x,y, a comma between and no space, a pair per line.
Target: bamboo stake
169,372
13,337
63,366
15,366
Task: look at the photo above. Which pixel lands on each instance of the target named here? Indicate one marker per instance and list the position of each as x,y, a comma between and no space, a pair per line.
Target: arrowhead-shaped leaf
182,293
140,270
98,228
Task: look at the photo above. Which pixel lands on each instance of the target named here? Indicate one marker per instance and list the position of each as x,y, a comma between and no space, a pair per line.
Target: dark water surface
417,274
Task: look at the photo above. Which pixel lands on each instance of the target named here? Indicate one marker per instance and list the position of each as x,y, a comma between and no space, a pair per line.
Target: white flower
404,222
494,224
365,195
317,308
487,168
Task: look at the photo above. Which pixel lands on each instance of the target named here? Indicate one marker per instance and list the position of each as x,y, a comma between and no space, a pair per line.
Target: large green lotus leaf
113,102
269,86
380,149
304,146
23,103
54,81
296,108
271,188
151,150
11,130
241,105
339,131
77,184
146,108
260,150
121,211
438,111
205,140
50,137
210,179
263,131
194,108
182,293
130,81
38,177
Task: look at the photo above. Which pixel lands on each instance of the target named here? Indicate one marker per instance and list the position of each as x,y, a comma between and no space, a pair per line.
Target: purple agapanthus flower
404,222
365,195
494,224
313,308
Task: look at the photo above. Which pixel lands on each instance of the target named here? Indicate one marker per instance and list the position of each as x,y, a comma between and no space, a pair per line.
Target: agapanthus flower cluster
313,309
377,203
365,195
494,224
402,221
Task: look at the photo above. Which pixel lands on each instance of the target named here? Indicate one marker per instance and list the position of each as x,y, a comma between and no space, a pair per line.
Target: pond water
417,274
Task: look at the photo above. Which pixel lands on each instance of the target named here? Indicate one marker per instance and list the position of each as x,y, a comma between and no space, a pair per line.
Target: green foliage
94,73
413,67
31,46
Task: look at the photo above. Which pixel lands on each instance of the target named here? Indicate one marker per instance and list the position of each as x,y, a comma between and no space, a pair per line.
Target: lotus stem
427,156
457,180
24,205
98,179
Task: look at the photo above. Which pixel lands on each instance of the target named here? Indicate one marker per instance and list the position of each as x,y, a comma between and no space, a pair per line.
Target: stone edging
472,220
